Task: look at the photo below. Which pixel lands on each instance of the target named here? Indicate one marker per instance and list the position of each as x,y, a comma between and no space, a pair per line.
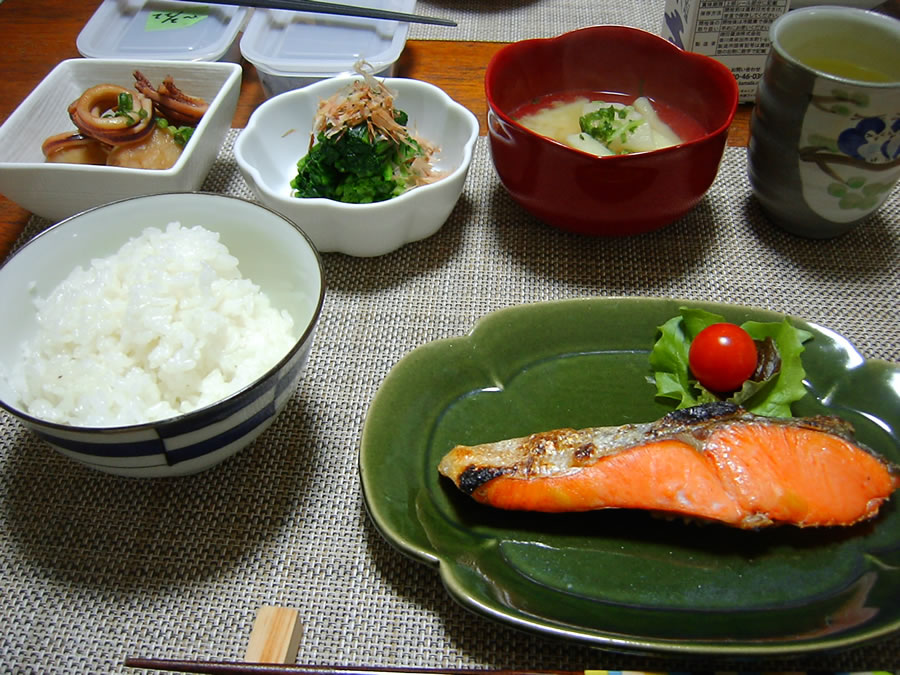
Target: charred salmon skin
713,462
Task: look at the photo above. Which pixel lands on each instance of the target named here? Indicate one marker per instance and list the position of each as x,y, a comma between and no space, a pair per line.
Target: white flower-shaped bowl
278,135
56,191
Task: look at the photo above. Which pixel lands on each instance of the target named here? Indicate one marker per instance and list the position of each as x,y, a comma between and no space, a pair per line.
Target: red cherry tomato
722,357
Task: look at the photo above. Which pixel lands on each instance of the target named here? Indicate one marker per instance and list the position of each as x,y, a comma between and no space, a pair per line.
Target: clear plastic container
293,49
159,30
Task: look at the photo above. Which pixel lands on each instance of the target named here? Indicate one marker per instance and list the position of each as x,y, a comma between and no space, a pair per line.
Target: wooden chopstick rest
275,637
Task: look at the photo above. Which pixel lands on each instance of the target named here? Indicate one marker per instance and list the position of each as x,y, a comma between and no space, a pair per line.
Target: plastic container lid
158,30
302,43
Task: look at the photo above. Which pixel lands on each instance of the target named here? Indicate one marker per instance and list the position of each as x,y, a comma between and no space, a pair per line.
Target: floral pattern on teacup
849,152
872,140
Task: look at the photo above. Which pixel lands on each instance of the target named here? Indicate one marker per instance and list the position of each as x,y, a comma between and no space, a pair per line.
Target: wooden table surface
38,34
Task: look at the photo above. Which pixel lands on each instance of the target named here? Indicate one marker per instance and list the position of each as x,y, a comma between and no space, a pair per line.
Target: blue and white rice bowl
272,252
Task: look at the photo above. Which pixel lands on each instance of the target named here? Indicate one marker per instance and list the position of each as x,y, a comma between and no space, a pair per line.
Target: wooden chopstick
244,668
335,8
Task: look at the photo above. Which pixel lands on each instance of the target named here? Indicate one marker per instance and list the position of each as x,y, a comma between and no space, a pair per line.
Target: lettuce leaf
772,396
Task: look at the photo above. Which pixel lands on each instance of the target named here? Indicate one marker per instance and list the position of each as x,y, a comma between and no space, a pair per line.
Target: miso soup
615,123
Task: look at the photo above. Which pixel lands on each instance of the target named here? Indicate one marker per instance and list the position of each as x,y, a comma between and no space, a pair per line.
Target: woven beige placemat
511,20
94,568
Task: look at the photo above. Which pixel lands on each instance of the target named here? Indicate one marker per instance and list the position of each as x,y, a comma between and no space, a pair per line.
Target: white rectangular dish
55,190
293,49
161,30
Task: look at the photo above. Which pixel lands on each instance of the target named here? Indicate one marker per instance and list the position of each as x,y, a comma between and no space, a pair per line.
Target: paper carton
735,32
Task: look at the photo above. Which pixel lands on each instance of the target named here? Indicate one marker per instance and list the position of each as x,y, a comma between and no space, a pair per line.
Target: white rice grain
164,326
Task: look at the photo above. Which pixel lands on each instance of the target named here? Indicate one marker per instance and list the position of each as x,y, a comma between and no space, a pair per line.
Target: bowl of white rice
158,335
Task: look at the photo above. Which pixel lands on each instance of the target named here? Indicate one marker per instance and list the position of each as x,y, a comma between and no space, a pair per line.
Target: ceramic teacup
824,148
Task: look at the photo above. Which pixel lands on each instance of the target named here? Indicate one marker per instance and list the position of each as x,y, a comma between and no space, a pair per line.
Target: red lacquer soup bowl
622,194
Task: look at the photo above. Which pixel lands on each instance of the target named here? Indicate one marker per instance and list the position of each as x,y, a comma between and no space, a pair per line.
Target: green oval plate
619,579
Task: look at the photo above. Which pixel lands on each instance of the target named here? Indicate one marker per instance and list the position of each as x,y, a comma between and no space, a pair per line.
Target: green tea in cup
846,69
824,147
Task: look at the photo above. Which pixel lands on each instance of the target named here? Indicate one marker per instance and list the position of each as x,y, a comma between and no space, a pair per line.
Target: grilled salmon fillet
713,462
